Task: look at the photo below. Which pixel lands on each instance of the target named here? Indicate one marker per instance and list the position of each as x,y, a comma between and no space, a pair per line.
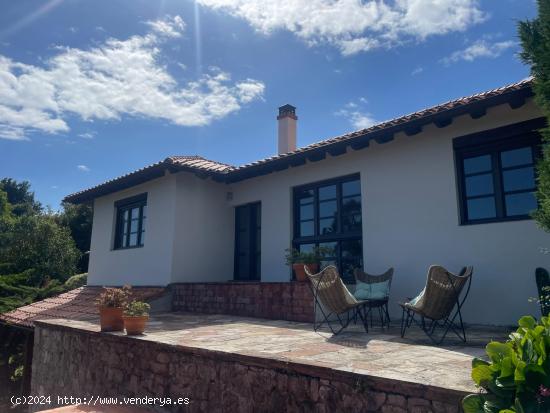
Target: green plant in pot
517,376
312,259
136,315
111,304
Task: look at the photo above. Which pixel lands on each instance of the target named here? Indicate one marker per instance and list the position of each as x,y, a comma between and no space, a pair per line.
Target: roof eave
476,109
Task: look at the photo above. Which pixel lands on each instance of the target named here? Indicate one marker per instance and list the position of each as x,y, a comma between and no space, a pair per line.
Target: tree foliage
20,197
39,250
37,242
78,219
535,41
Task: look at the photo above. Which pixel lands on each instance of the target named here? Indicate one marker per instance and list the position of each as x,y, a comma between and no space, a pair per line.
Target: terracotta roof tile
76,304
225,171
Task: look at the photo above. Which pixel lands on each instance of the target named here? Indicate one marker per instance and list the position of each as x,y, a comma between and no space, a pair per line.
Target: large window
131,214
328,214
496,174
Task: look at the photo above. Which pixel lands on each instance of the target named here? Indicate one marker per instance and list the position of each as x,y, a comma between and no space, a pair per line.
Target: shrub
294,256
137,309
76,281
517,377
114,297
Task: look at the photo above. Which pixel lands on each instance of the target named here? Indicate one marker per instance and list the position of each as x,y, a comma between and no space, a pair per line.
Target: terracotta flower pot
300,272
111,319
135,325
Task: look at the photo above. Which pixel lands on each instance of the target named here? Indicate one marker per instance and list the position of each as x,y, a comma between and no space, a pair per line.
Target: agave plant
517,377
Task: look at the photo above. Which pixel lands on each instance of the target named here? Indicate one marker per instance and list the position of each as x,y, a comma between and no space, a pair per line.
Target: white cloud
12,133
417,71
169,27
117,78
87,135
83,168
354,26
483,48
359,119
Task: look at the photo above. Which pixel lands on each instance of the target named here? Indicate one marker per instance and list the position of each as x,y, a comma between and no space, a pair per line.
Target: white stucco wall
410,219
204,228
149,265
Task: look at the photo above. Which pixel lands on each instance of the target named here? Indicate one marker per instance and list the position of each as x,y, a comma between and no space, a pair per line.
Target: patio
205,356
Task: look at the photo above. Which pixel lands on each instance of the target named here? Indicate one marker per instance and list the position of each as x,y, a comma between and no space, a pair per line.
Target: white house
450,185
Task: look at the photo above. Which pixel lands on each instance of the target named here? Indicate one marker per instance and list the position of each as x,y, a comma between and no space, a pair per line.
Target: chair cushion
374,291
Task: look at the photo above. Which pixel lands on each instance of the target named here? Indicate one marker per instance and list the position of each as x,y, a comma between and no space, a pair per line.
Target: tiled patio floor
379,353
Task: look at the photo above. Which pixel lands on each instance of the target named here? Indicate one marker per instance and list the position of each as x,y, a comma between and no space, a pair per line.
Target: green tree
38,243
78,219
20,197
5,206
535,41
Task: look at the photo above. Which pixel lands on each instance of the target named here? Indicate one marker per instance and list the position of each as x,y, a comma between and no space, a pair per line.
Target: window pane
327,226
352,257
351,222
517,179
331,249
133,240
520,204
306,212
306,247
351,188
515,157
481,208
306,228
134,225
327,192
327,209
477,164
479,185
135,213
142,241
351,204
305,196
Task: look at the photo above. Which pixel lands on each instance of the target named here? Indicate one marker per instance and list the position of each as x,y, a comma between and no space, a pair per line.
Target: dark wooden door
248,242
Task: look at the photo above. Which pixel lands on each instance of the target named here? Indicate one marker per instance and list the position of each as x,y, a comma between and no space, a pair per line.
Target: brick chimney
287,129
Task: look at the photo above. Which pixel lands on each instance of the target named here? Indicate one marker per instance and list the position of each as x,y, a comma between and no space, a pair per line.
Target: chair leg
387,314
405,321
363,319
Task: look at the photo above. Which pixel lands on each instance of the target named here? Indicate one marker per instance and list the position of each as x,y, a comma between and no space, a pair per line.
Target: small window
496,173
131,216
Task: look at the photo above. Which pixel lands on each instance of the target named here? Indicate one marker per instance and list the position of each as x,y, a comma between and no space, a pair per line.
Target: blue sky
90,90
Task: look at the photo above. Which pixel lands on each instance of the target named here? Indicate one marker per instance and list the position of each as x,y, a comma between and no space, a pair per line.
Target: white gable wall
149,265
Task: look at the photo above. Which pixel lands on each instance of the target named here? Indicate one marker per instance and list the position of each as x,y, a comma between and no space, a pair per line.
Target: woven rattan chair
440,304
543,283
380,304
333,299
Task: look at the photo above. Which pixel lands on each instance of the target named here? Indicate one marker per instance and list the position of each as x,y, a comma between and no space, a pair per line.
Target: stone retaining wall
292,301
69,361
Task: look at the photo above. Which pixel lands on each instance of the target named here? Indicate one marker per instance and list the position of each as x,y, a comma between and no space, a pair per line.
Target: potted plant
136,315
111,303
299,259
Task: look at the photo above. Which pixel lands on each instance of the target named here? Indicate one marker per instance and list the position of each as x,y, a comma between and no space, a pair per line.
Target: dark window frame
493,142
121,206
338,236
